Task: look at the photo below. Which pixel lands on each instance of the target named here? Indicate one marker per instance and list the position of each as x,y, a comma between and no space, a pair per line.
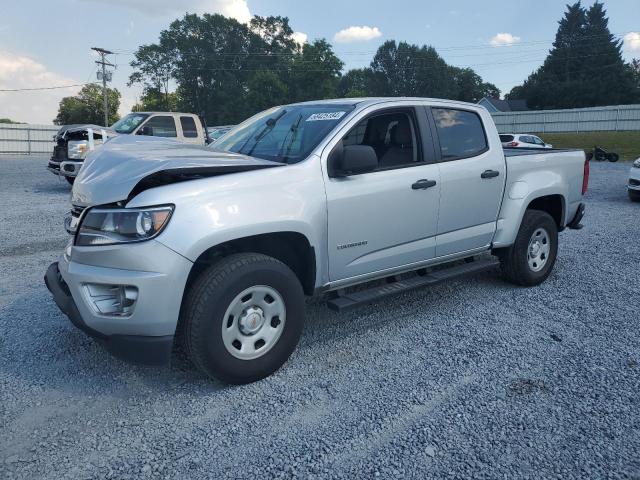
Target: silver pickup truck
220,246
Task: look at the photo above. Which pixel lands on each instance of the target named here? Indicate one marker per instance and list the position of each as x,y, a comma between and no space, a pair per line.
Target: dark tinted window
189,129
393,136
161,126
460,132
506,138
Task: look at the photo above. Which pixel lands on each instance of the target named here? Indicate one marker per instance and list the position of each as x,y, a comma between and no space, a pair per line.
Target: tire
634,196
517,266
276,304
70,180
613,157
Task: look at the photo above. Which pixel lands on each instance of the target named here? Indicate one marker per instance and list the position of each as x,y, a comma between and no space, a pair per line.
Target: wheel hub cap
251,320
254,322
539,248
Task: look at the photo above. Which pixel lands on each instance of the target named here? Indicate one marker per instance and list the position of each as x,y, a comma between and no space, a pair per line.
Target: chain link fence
27,139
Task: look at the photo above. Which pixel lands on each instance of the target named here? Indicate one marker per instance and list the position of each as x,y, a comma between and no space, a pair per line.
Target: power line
45,88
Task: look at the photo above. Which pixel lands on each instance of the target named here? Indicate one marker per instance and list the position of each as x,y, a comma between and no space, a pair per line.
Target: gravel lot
474,378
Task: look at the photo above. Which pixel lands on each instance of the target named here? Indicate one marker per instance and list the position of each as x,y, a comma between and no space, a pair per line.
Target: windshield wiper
294,134
268,126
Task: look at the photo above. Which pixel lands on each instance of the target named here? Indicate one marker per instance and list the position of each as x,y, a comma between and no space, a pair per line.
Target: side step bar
362,297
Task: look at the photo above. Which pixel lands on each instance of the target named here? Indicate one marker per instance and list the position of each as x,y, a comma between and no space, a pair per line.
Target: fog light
112,300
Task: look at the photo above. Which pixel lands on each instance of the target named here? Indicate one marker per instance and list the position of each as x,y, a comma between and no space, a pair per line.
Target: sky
47,43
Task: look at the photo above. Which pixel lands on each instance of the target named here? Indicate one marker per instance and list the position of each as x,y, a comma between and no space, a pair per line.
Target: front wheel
530,259
634,196
243,318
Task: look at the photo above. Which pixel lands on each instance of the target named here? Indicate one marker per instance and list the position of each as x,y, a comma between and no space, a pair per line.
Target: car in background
216,132
516,140
634,181
74,142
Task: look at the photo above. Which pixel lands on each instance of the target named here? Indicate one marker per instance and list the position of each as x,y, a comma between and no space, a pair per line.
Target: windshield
283,134
129,123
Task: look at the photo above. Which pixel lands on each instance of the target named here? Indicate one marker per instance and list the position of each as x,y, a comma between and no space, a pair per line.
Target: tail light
585,177
512,144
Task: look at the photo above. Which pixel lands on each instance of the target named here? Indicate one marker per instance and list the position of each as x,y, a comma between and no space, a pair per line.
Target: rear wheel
634,196
243,318
531,258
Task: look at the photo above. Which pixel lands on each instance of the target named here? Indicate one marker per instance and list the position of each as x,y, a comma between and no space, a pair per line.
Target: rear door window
506,138
189,129
460,132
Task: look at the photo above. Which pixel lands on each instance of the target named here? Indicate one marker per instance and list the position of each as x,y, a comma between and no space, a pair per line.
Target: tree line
228,70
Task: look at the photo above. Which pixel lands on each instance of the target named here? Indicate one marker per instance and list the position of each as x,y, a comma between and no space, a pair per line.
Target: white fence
27,139
614,119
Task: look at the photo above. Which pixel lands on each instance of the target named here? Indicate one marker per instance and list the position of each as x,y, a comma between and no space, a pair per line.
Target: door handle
423,184
489,174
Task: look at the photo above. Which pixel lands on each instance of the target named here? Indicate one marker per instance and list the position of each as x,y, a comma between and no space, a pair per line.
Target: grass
625,144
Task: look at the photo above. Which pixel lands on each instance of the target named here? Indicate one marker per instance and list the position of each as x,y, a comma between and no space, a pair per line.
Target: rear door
472,176
386,218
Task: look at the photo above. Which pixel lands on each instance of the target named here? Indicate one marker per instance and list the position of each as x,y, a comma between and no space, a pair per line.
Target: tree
584,67
154,100
355,83
154,68
316,72
470,87
8,120
87,106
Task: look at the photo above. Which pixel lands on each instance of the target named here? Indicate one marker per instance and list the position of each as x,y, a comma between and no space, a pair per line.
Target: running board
362,297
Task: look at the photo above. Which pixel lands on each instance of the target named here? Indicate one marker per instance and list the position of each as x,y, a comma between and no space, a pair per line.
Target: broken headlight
109,226
77,149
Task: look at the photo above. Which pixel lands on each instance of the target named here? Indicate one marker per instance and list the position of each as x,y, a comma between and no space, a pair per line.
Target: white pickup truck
74,142
220,246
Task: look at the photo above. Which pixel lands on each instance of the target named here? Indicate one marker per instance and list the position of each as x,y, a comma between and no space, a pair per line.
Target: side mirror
352,159
145,130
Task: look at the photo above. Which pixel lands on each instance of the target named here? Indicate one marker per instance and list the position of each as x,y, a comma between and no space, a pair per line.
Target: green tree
265,90
584,67
355,83
154,100
154,68
8,120
315,73
87,106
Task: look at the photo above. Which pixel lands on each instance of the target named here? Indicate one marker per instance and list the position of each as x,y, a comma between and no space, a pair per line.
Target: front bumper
145,335
68,168
634,179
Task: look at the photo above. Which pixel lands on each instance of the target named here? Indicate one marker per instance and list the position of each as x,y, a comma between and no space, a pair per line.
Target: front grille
634,183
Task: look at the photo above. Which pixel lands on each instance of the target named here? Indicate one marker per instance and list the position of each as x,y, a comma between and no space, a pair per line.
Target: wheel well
553,205
291,248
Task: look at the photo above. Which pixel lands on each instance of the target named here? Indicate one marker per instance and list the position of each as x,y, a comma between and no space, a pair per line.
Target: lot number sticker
325,116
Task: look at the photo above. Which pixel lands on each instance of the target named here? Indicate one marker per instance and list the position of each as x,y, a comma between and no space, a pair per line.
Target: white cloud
36,106
300,38
237,9
357,34
632,41
504,39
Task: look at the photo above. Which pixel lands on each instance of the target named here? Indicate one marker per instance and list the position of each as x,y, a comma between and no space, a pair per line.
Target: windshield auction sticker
325,116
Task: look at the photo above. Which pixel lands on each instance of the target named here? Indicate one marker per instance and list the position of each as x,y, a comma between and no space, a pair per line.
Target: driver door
386,218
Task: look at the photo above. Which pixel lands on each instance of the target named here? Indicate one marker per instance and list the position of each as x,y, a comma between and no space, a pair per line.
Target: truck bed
517,152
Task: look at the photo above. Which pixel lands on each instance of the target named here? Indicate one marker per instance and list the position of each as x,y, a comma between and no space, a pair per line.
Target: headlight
77,149
108,226
636,163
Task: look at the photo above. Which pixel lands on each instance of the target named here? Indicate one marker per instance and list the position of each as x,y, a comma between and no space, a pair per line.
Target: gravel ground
473,378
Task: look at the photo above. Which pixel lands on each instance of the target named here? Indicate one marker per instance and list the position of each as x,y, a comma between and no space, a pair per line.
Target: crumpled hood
128,164
68,129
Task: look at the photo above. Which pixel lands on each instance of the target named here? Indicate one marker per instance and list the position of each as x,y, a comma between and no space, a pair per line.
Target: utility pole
105,75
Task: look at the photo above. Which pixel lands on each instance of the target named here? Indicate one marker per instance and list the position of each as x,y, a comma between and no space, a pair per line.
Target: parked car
515,140
634,181
216,132
223,243
73,142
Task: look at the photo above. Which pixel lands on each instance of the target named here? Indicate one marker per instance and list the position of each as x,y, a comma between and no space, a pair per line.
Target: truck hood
69,130
128,165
